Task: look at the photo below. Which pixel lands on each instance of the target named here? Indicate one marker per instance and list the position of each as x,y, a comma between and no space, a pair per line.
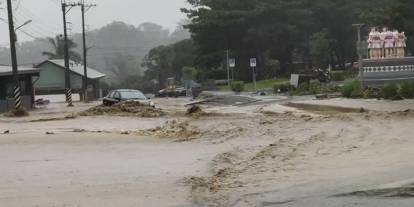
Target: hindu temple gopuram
387,61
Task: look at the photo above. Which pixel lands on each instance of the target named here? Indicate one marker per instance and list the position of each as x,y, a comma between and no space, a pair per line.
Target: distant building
52,78
26,76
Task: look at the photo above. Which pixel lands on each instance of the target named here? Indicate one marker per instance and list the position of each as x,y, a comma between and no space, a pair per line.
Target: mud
400,192
207,160
195,110
124,109
325,108
300,142
67,117
17,113
176,129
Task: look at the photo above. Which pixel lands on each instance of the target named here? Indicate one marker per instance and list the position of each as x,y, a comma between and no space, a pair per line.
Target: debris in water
174,129
194,109
124,109
17,113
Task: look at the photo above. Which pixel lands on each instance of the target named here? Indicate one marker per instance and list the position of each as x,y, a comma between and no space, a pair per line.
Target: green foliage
237,86
321,49
372,92
303,87
315,87
407,90
318,32
389,91
351,89
338,75
58,46
168,61
189,73
281,88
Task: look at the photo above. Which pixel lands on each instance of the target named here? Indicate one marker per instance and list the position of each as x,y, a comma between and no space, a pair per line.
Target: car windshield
133,95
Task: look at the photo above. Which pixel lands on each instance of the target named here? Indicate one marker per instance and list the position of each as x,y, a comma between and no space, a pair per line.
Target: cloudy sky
47,15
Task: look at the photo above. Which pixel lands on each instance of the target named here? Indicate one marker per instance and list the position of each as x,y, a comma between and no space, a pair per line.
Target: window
111,94
117,95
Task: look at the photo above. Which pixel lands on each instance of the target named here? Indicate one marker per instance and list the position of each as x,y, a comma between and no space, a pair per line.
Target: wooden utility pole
12,33
68,90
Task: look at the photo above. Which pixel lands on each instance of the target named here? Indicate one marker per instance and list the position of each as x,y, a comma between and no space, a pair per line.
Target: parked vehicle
177,92
123,95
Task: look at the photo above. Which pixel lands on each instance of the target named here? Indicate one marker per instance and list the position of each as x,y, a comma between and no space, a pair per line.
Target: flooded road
263,154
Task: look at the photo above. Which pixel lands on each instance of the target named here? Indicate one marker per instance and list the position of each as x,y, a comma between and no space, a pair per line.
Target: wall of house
6,92
8,104
52,78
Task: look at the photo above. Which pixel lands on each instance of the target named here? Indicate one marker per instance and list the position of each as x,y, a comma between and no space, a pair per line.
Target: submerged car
176,92
126,95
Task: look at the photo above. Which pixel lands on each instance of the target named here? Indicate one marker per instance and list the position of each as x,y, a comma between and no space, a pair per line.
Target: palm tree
58,45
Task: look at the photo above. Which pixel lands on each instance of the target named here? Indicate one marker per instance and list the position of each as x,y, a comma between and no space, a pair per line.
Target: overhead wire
20,29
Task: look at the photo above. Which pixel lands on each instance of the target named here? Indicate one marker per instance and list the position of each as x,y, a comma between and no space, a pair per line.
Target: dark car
177,92
123,95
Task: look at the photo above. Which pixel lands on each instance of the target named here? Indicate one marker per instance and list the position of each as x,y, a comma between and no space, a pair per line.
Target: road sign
232,63
253,62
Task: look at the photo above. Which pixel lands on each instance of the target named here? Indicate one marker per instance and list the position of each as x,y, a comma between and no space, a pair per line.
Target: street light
24,24
19,27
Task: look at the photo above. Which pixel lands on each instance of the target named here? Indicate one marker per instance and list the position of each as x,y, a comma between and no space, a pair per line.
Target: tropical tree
168,61
58,45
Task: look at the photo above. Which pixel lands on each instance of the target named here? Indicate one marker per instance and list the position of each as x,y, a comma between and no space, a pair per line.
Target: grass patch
264,84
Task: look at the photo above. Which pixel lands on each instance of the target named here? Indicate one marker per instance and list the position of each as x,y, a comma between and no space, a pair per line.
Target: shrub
303,87
338,75
331,88
371,92
315,87
407,90
390,91
351,89
237,86
281,88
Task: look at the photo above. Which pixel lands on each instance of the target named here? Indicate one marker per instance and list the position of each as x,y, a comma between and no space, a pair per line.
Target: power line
18,5
20,29
41,28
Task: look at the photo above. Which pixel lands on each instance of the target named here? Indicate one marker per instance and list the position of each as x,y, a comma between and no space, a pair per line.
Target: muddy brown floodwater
211,156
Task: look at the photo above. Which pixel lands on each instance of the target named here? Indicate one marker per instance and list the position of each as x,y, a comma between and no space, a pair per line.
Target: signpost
232,64
253,65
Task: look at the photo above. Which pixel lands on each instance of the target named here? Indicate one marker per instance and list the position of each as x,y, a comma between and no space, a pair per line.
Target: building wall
6,92
8,104
52,78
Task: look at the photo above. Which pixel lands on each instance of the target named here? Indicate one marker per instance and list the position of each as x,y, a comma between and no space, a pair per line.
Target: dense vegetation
116,49
313,32
284,36
392,91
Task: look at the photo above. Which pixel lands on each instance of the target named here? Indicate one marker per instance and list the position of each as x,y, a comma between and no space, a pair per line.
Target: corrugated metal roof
78,68
7,70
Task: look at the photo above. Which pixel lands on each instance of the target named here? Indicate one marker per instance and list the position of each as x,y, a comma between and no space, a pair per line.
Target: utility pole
85,50
228,68
12,33
359,49
68,90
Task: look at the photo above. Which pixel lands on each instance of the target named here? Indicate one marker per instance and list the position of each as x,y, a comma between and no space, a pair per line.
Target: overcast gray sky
47,15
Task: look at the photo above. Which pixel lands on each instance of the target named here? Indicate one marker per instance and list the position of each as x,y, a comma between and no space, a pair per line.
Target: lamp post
24,24
13,39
